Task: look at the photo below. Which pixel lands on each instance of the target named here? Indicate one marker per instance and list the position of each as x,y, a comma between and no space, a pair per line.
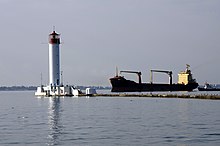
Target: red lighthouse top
54,38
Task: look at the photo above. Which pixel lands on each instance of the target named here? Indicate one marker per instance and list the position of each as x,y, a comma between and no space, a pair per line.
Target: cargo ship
185,82
209,87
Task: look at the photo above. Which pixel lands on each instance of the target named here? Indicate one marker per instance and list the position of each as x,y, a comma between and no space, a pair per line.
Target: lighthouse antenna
53,28
41,78
61,78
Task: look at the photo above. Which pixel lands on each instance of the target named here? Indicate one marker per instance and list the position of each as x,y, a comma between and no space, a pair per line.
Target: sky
98,35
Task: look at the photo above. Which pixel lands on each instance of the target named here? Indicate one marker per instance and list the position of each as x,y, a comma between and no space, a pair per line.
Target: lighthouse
54,88
54,59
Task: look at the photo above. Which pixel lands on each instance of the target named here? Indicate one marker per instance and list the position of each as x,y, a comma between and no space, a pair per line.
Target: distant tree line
18,88
34,88
94,87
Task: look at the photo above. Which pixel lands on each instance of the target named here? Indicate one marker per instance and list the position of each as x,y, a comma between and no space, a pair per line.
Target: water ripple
107,121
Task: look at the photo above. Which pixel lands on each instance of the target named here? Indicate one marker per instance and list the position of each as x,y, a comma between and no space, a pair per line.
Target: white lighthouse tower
55,88
54,59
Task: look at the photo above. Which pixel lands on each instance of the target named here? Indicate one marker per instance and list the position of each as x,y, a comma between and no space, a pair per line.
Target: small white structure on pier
90,92
55,88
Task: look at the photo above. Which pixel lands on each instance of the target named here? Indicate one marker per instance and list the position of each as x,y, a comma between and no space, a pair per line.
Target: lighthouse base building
57,91
55,88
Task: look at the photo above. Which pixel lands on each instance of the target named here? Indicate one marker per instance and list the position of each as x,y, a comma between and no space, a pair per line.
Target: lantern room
54,38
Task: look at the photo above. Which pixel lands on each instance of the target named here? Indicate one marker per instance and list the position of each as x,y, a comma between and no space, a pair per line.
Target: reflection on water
183,112
54,120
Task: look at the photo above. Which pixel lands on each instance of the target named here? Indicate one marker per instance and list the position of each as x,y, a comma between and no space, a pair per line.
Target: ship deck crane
161,71
138,73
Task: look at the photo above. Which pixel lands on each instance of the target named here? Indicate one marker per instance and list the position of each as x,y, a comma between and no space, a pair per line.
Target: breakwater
150,95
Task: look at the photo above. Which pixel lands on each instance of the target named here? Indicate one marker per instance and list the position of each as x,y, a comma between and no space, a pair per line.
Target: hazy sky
99,35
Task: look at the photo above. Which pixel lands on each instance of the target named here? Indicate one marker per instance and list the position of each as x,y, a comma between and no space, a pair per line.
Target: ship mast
116,71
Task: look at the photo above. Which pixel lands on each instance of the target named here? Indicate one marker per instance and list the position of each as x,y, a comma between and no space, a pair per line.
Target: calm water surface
110,121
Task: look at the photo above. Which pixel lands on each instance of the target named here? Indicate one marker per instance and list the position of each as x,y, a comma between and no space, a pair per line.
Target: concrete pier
149,95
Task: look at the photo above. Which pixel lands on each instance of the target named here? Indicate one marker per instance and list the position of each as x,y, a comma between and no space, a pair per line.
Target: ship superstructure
185,77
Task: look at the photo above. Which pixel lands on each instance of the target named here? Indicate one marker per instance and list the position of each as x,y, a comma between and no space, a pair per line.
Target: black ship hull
120,84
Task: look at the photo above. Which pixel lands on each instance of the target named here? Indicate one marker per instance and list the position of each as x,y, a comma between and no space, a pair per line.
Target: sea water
110,121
